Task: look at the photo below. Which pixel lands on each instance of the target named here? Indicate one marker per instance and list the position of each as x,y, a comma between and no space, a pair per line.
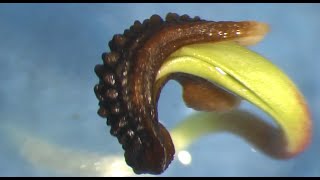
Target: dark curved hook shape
127,93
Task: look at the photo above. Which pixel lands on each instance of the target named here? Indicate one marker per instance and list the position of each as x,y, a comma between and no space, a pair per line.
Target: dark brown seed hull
127,78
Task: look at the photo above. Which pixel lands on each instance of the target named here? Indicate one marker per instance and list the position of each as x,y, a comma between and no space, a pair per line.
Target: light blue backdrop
47,56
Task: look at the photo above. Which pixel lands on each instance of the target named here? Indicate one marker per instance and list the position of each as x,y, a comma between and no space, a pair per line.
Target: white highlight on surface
220,71
117,168
244,90
184,157
83,166
253,150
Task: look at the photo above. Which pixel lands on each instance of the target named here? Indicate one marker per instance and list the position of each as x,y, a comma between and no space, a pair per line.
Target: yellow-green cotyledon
209,59
252,77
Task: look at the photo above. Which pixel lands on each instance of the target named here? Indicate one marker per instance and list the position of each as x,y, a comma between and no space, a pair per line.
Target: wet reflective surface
49,125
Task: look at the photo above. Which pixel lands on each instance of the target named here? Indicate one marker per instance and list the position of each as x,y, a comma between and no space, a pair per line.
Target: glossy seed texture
126,89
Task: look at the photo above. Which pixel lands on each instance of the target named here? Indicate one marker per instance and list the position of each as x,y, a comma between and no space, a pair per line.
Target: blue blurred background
47,56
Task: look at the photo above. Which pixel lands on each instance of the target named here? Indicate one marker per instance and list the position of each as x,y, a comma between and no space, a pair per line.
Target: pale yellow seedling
252,77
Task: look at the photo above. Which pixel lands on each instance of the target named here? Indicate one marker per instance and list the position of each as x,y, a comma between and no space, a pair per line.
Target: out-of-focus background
48,120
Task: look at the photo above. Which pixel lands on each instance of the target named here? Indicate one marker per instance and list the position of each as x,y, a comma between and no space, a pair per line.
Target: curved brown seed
135,58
